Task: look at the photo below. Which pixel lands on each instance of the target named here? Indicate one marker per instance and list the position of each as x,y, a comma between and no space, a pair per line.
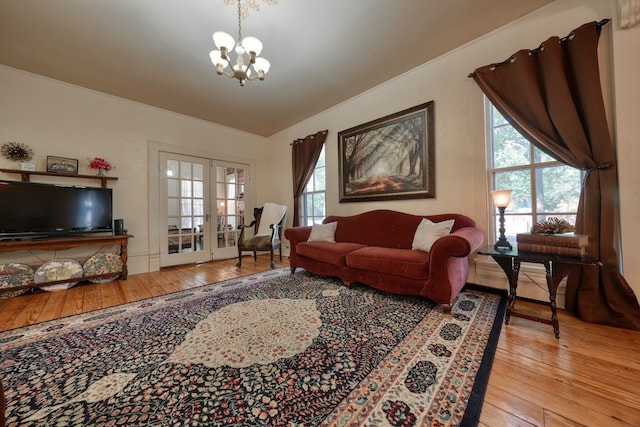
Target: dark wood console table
556,267
58,244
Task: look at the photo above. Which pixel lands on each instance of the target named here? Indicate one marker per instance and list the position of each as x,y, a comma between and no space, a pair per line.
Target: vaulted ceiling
322,52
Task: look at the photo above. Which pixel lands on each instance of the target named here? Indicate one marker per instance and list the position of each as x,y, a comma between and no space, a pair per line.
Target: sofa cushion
323,232
331,253
399,262
428,232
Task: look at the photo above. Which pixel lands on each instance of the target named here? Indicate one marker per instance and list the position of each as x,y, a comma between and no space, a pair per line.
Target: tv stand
62,243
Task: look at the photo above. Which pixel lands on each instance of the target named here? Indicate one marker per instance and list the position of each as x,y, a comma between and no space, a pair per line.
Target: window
313,198
542,186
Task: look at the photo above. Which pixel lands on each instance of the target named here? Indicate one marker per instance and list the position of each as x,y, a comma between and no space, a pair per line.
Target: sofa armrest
296,235
460,243
448,266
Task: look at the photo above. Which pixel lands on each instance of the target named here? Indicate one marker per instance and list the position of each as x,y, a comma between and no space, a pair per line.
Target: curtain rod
299,140
599,24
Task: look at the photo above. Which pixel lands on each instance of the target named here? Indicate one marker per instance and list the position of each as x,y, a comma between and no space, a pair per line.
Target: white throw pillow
428,232
323,232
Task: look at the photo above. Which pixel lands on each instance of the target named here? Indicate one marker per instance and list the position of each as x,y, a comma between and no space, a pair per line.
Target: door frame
154,149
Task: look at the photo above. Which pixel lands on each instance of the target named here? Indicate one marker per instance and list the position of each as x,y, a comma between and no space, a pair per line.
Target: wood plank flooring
588,377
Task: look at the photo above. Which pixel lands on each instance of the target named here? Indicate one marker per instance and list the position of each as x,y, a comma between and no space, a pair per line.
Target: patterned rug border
57,327
476,399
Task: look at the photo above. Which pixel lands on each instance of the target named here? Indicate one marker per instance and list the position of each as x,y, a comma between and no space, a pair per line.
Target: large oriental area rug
268,349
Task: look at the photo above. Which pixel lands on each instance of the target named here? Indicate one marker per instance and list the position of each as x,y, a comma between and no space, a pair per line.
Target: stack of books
570,244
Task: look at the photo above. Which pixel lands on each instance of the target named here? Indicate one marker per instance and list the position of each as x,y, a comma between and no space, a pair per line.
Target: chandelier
247,66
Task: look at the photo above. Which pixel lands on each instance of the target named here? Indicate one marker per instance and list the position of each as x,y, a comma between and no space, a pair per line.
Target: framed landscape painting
390,158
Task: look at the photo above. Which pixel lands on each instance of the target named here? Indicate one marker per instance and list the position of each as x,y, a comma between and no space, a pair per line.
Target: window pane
319,178
520,182
318,205
558,189
313,202
308,205
198,189
172,168
309,187
498,119
541,157
198,171
172,187
185,170
513,224
185,186
172,207
186,207
509,148
198,206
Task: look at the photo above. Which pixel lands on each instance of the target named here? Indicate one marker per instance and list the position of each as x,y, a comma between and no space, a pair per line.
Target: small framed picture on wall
62,165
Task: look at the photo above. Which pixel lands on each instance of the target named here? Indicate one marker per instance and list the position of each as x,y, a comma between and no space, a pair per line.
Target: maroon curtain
304,156
553,96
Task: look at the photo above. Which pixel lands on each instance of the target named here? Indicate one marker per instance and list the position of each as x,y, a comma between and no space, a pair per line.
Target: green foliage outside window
542,186
314,196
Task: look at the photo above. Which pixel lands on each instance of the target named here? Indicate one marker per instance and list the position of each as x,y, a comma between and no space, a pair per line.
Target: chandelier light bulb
262,66
252,44
223,40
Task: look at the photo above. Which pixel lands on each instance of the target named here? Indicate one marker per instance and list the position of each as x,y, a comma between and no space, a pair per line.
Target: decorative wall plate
58,269
103,263
14,274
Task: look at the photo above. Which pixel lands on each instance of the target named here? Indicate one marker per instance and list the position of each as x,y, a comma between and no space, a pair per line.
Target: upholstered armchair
268,223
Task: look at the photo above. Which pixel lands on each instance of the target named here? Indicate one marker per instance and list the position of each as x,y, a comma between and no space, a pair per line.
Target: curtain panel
304,156
552,95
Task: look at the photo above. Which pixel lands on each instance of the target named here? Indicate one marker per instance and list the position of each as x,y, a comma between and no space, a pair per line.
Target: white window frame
531,167
310,191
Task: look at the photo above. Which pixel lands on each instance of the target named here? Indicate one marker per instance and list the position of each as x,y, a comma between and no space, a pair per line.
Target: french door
191,230
231,180
185,203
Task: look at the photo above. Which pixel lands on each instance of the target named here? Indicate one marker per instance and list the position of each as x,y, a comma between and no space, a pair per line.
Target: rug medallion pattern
264,350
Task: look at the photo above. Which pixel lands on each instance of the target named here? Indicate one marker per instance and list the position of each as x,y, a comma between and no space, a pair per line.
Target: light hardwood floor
590,376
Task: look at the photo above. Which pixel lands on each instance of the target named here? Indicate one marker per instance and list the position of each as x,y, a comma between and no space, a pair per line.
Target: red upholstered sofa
374,248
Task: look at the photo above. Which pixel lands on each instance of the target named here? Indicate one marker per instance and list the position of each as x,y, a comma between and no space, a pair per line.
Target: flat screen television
46,210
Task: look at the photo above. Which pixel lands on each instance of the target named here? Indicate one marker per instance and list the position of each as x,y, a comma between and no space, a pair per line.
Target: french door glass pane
230,204
185,206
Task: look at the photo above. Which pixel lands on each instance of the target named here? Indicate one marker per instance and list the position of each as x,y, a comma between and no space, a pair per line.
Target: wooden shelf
61,243
26,175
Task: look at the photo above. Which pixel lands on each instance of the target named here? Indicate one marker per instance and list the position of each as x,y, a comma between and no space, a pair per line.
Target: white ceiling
322,52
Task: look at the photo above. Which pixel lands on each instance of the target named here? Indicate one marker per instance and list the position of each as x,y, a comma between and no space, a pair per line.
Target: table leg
511,268
554,275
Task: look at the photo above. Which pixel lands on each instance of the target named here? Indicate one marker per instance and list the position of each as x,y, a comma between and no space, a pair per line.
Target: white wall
54,118
459,126
627,108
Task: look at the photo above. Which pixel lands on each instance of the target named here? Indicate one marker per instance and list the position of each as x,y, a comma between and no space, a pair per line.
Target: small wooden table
556,267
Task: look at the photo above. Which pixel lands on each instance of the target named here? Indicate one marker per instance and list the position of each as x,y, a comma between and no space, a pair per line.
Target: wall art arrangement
390,158
62,165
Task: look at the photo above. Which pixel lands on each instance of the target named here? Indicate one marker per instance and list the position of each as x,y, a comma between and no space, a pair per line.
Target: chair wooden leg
255,256
280,250
273,264
239,263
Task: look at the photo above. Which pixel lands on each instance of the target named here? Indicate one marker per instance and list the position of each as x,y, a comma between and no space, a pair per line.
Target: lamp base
502,245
